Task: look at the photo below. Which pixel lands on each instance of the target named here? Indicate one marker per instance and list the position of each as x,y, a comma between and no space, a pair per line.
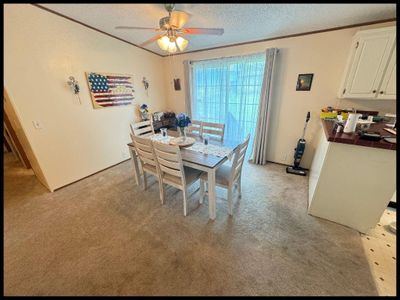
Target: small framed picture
177,84
304,82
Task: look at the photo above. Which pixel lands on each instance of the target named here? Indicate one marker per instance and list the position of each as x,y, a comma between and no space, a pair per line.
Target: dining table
206,162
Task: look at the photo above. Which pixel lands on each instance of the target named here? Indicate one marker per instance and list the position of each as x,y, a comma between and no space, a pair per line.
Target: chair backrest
144,150
195,127
213,129
144,128
238,160
170,164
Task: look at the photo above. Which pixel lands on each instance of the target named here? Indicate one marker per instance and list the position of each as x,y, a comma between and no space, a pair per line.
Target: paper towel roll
351,123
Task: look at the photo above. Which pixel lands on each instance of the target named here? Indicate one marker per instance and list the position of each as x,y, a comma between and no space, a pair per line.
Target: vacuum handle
305,125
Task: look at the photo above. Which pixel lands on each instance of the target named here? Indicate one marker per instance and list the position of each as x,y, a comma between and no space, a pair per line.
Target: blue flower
182,120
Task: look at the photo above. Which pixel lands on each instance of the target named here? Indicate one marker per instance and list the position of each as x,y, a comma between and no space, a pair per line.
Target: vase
182,133
144,115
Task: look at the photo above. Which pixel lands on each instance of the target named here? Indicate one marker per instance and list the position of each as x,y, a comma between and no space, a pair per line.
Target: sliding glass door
228,91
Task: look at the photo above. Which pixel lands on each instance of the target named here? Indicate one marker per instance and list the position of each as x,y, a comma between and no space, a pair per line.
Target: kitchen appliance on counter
390,119
365,124
351,123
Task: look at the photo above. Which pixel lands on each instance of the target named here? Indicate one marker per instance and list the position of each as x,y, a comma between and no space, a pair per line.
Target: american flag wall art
110,89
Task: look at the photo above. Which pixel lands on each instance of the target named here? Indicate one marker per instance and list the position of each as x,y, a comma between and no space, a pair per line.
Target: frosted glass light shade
167,45
163,42
182,43
171,47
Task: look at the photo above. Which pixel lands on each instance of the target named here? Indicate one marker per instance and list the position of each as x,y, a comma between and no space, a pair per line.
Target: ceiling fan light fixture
171,45
163,42
182,43
170,31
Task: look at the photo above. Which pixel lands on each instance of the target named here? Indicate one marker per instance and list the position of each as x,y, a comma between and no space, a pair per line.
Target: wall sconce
146,85
74,85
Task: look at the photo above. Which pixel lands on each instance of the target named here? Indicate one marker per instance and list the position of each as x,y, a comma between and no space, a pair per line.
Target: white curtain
188,94
263,120
227,90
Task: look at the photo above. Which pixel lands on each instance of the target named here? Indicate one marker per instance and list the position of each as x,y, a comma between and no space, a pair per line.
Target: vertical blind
227,90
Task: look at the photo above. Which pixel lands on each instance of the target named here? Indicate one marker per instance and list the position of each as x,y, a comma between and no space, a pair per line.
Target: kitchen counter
354,138
351,181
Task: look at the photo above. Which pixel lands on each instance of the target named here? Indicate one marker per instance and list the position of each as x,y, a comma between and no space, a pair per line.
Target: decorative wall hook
146,85
74,85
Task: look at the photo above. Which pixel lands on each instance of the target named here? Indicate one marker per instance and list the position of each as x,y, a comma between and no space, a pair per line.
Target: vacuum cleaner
298,153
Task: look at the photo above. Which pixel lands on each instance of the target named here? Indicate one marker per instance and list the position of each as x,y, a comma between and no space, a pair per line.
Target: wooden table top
196,157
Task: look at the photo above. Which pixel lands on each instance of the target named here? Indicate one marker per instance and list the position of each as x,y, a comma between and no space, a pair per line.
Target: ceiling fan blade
178,18
153,39
134,27
215,31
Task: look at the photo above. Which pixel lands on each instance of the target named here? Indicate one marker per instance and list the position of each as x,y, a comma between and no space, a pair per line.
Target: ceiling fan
171,30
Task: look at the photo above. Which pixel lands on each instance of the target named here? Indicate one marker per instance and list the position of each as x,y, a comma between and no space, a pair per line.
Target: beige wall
323,54
16,125
41,50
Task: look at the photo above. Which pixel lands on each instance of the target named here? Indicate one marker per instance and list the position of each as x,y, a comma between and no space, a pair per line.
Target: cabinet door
388,86
369,63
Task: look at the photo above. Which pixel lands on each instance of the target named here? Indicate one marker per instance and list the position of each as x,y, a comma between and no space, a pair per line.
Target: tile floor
380,248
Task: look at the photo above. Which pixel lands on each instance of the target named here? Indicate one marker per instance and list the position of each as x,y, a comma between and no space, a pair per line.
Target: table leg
211,194
135,165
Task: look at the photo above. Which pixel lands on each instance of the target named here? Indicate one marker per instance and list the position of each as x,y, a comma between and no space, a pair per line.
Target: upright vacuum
298,153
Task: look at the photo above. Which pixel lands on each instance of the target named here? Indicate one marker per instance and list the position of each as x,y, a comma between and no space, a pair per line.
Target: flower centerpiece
144,110
182,121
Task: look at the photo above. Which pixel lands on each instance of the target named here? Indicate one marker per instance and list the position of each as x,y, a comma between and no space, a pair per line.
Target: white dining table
208,163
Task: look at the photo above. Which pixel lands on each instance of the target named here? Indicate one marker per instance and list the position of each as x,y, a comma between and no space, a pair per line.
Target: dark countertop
354,138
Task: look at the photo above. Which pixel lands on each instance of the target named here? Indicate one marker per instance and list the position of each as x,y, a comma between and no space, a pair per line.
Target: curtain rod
194,61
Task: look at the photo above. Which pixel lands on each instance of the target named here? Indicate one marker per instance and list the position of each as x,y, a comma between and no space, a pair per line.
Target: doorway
16,141
12,143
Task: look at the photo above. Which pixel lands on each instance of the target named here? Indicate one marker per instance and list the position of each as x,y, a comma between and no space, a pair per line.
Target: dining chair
195,127
143,129
217,129
227,176
148,162
172,171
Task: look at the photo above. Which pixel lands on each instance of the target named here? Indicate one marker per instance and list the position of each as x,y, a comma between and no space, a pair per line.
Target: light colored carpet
104,236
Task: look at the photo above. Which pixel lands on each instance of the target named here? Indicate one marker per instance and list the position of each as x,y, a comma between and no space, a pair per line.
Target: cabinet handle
381,92
374,91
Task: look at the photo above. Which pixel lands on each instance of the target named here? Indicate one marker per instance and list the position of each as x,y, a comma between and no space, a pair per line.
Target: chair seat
191,176
221,175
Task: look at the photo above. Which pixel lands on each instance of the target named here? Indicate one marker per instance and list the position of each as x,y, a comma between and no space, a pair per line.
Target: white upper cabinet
387,89
371,67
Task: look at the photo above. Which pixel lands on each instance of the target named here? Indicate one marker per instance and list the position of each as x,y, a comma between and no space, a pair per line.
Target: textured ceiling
242,22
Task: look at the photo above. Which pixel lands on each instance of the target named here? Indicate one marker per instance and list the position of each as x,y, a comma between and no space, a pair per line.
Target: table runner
212,149
161,139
